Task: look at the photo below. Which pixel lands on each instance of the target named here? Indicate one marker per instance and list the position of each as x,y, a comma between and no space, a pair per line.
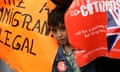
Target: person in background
4,67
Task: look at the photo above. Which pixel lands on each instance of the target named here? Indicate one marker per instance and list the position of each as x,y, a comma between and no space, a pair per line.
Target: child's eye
62,28
54,30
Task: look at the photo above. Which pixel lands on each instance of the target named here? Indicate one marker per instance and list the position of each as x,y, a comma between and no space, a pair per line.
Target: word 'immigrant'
8,16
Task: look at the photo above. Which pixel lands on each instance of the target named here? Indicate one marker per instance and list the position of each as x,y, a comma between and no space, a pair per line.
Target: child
64,61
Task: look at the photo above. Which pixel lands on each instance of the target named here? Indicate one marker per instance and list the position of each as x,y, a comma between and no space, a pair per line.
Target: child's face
60,34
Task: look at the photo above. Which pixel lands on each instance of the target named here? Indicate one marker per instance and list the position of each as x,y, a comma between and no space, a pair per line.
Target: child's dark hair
56,17
62,3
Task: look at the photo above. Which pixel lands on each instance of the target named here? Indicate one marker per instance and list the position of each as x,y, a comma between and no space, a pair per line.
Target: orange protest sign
25,40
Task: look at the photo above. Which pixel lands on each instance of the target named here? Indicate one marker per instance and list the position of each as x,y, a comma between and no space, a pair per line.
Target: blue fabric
61,57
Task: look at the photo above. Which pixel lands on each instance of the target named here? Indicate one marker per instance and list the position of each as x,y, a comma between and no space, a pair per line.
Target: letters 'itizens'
113,28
